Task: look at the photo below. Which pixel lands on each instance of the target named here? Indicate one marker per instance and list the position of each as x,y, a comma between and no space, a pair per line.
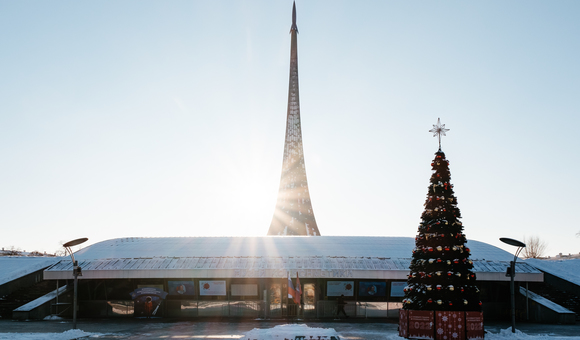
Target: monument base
440,325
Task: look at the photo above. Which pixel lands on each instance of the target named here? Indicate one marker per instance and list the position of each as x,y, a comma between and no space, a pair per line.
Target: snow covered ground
518,335
287,331
67,335
290,332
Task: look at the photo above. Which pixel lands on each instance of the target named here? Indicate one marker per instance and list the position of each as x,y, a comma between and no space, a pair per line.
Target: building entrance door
309,299
274,300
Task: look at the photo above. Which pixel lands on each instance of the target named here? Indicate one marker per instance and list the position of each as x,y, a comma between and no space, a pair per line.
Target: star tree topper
439,130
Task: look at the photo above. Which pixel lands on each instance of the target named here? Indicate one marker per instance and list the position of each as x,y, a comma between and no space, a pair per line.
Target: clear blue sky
150,118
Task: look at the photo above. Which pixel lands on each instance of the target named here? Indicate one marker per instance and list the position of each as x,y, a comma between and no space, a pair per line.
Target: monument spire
294,27
293,214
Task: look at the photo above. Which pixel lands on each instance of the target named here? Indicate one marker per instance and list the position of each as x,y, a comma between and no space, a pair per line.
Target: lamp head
75,242
512,242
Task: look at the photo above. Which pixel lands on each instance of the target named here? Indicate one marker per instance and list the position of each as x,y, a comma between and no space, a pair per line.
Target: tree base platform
440,325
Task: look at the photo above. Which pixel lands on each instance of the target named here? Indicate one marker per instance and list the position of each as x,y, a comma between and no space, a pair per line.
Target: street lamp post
76,273
512,273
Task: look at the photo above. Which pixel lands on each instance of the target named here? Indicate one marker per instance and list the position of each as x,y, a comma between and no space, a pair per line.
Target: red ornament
446,248
450,303
430,301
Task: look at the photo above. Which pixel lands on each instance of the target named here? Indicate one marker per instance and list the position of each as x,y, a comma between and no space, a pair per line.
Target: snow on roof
14,267
568,270
347,246
270,256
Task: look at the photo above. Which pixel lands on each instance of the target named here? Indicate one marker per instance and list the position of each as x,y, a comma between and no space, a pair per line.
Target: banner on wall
338,288
366,288
181,288
146,300
397,289
212,288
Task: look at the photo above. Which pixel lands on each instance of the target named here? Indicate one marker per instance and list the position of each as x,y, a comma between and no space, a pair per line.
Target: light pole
512,273
76,272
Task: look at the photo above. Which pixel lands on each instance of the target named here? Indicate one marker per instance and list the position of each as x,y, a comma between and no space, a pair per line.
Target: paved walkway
166,329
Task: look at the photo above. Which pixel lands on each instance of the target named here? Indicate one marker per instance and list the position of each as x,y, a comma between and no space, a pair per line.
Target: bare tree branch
535,248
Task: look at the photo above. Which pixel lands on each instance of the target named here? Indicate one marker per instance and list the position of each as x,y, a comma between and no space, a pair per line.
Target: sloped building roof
359,257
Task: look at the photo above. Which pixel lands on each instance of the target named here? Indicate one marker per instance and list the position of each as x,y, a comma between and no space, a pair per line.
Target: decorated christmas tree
441,276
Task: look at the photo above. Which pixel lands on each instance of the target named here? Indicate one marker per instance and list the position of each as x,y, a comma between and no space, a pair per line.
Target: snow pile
68,335
568,270
519,335
53,317
291,332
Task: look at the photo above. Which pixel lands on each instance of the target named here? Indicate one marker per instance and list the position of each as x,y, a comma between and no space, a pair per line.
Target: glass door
275,300
309,299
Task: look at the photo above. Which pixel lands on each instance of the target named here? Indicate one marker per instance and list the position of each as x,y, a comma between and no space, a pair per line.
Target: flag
298,290
291,291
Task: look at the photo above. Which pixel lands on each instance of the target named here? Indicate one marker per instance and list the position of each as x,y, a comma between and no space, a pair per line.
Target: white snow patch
67,335
290,332
53,317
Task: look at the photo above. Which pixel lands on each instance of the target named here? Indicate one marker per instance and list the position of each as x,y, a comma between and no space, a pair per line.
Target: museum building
248,276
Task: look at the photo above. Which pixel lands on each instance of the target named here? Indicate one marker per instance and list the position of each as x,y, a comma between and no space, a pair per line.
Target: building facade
248,276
